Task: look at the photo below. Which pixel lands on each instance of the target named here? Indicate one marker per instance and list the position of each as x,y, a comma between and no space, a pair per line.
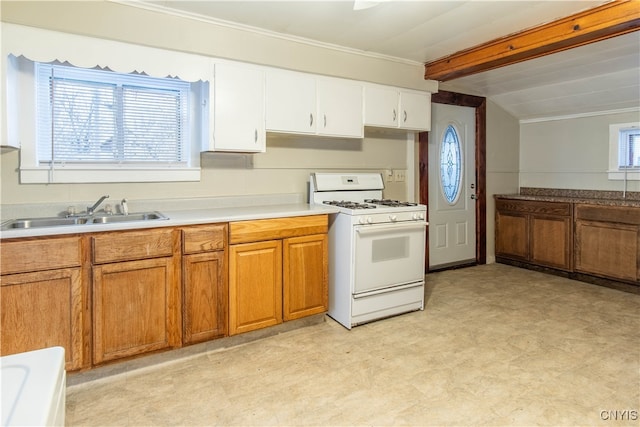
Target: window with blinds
90,116
629,149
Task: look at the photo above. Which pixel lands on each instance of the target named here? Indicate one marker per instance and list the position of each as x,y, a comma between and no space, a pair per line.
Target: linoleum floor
496,345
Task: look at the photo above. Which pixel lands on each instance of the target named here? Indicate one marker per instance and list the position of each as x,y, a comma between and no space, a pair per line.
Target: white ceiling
604,76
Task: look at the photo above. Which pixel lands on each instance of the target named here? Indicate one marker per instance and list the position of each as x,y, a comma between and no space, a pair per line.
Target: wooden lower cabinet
551,243
512,235
283,276
305,281
535,232
255,286
607,242
43,309
204,281
132,308
44,297
136,303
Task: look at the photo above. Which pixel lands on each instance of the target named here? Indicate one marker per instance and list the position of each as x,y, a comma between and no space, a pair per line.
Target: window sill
618,175
80,175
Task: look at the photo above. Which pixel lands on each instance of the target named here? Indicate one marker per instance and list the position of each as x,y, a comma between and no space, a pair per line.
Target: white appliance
33,388
376,248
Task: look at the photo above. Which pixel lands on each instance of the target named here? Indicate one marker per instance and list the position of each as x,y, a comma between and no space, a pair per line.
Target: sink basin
144,216
103,219
43,222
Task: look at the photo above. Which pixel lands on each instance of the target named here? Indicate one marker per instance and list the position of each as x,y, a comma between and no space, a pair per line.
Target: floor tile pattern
496,345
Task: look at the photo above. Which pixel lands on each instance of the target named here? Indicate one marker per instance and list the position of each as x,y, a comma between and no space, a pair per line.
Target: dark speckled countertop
594,197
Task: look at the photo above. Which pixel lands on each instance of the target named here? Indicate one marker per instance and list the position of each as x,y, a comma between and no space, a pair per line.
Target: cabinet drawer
530,206
277,228
132,245
205,238
619,214
21,256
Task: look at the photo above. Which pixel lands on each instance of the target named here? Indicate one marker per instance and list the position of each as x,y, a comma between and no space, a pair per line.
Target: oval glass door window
450,165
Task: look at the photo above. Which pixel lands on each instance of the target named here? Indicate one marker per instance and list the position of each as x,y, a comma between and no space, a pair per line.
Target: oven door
388,255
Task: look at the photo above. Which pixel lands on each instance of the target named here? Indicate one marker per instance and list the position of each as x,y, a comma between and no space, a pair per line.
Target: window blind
97,116
629,148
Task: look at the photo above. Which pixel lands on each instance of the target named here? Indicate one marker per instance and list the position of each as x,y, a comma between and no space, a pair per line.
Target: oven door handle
370,229
398,287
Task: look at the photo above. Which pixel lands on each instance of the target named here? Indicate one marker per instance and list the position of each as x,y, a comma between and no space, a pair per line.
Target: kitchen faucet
91,209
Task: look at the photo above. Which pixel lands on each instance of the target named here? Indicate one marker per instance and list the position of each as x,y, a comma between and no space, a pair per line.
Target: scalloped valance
46,46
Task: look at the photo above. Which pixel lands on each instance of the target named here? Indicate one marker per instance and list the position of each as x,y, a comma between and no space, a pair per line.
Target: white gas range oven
376,248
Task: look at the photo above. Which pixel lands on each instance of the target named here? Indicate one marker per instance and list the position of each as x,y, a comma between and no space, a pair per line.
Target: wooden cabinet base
134,308
47,307
586,278
255,286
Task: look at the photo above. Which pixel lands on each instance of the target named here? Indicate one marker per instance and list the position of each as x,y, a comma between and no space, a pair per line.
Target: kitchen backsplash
581,194
58,209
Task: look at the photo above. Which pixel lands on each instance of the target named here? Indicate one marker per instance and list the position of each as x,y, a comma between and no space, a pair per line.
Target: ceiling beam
596,24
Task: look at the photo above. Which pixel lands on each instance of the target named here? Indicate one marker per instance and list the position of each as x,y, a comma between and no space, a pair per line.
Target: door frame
480,105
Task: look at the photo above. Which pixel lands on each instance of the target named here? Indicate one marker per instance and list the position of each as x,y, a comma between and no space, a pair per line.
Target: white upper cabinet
308,104
340,108
415,110
291,102
392,107
238,115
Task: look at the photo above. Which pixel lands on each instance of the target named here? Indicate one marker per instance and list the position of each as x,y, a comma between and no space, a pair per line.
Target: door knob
473,197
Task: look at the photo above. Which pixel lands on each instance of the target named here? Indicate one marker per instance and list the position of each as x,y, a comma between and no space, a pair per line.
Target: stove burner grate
389,202
349,205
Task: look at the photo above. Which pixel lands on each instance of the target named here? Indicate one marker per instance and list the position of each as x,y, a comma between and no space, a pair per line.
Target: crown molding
580,115
260,31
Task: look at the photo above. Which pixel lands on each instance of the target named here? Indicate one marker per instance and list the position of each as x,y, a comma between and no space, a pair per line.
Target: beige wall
503,154
570,153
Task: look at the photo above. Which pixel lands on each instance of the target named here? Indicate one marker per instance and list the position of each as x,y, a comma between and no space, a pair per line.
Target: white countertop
182,217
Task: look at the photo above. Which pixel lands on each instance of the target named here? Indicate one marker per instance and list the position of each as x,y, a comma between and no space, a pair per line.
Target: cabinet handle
405,116
310,119
394,115
325,120
255,136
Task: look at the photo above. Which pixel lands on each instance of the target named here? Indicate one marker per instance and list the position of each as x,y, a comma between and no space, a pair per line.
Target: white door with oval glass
452,211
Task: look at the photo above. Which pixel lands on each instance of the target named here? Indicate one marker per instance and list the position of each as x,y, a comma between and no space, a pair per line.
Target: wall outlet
388,175
399,175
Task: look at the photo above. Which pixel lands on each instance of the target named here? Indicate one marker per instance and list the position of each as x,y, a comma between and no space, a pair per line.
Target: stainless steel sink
144,216
43,222
79,220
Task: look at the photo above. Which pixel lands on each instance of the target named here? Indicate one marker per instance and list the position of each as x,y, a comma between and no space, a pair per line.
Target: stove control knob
393,218
361,220
369,220
417,216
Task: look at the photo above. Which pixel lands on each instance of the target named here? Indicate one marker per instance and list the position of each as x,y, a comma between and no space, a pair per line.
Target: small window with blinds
98,117
624,151
629,149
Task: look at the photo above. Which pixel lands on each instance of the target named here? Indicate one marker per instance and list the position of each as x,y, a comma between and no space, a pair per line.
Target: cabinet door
608,249
205,297
381,106
135,308
43,309
255,286
290,102
305,276
415,110
238,114
551,241
340,108
512,235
